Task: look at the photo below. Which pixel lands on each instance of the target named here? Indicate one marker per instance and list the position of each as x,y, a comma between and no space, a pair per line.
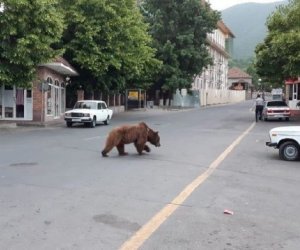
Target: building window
0,102
49,96
20,103
29,93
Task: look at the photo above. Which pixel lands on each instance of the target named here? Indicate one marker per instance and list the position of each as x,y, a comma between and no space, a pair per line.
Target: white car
287,140
276,110
89,112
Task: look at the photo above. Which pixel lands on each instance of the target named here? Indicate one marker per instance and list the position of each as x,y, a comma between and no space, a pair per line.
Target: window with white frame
49,96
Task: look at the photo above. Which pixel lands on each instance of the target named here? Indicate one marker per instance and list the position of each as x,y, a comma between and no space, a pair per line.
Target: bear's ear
156,132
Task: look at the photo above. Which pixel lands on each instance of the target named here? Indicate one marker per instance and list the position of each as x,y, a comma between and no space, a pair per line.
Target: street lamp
259,84
1,7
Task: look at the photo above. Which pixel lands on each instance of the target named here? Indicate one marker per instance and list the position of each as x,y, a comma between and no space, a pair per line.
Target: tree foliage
179,29
107,41
28,29
278,57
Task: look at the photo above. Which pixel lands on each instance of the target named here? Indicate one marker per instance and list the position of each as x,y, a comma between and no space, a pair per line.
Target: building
44,101
220,46
240,80
212,84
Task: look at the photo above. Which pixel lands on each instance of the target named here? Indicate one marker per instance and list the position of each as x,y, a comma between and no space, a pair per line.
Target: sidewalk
16,124
52,123
7,124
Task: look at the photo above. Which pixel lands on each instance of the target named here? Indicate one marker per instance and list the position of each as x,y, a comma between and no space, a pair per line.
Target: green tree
108,43
179,29
28,29
240,63
251,70
278,57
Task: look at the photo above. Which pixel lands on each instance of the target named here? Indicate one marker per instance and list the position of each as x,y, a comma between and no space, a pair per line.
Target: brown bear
138,134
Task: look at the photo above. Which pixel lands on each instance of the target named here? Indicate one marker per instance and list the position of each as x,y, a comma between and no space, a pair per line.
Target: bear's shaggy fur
138,134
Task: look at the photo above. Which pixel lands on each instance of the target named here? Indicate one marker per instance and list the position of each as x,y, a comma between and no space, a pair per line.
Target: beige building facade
216,75
212,85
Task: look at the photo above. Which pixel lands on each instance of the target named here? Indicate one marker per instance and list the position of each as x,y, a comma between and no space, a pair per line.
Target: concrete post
80,95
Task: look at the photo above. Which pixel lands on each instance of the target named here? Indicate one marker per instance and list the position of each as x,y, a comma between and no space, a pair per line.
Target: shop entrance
293,95
15,103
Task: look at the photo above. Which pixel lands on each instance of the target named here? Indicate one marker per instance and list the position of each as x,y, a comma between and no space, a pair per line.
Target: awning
292,81
60,68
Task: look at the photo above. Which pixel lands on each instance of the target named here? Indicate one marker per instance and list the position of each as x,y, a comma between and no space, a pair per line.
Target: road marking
155,222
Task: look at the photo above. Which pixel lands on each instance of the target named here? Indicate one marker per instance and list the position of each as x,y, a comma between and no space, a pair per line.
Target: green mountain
247,22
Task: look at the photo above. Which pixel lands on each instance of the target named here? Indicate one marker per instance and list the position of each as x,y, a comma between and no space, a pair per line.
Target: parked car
276,110
88,112
287,140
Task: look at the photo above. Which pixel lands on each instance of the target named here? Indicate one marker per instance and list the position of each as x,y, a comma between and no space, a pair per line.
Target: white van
277,94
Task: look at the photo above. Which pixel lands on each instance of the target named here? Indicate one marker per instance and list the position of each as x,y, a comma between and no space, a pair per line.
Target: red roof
238,73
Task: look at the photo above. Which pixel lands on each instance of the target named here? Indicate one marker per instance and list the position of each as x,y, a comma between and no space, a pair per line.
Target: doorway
55,99
294,95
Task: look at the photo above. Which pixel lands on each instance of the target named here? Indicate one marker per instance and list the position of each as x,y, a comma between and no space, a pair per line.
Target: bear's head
153,138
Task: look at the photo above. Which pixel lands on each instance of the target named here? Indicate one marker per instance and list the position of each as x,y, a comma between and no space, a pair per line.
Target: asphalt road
57,192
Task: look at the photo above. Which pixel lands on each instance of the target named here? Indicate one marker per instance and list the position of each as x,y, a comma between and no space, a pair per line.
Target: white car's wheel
264,118
93,122
106,122
289,151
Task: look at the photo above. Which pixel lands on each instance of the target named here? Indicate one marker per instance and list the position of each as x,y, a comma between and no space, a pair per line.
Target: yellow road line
154,223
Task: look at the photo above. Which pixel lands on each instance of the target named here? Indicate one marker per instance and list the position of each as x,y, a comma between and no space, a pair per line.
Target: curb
8,125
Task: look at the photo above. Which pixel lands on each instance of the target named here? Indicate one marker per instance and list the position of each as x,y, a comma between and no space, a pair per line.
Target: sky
224,4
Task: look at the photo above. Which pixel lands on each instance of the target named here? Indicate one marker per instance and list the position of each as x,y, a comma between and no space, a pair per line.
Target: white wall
221,96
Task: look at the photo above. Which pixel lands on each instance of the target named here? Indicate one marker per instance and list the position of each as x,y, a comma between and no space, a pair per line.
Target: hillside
247,22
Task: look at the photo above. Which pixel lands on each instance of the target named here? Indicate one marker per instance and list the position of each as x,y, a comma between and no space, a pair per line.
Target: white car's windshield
85,105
